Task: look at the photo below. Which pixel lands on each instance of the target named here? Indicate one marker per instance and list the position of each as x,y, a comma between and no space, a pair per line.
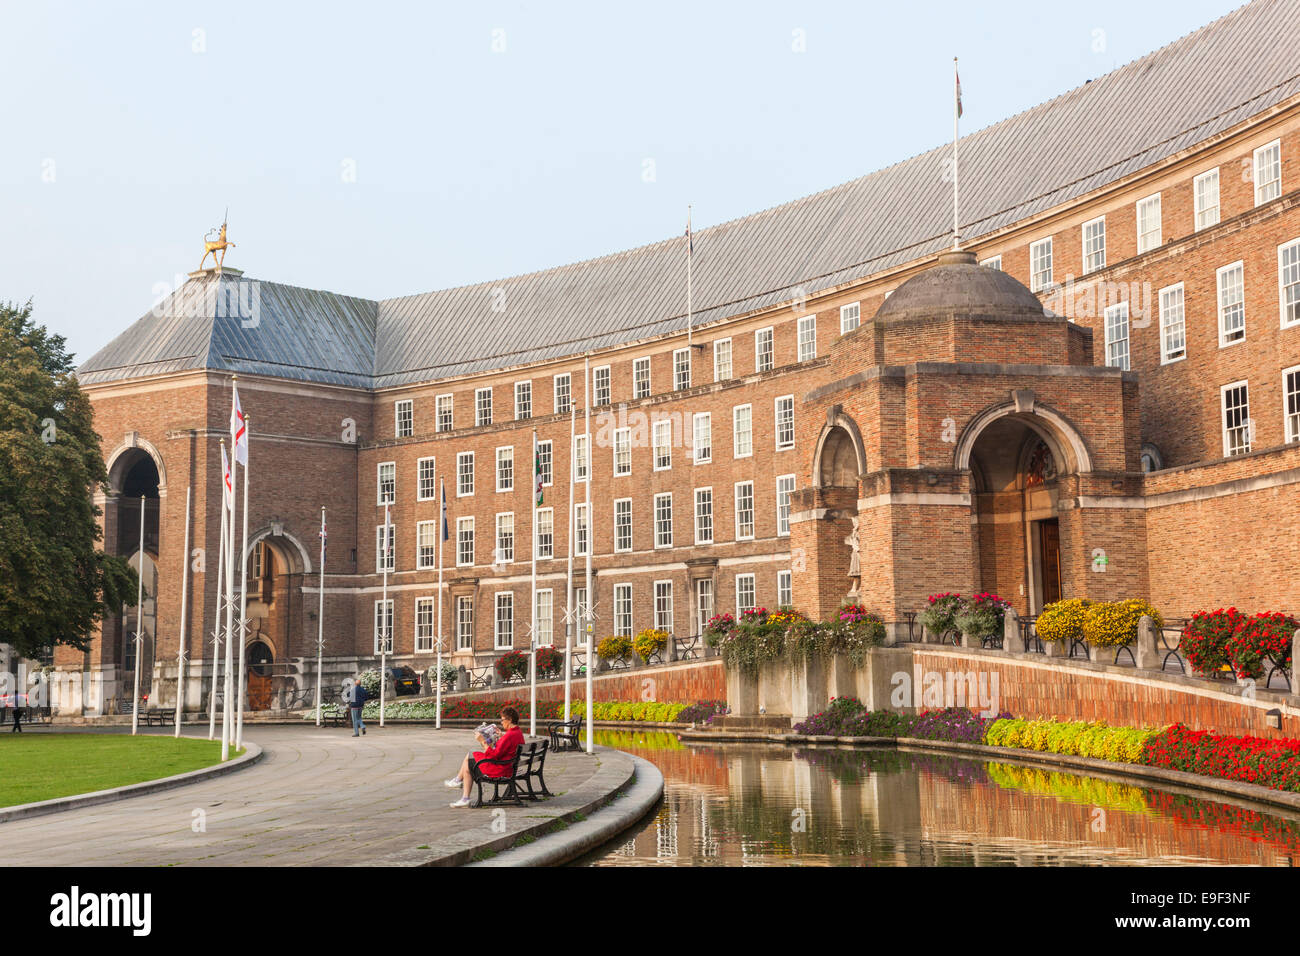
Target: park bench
160,716
525,766
565,734
339,718
36,715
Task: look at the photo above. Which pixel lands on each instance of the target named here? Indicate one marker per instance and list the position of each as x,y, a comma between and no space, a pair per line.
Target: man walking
356,698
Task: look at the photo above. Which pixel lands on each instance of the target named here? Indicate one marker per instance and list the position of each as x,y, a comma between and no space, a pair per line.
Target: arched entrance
277,564
826,534
259,671
134,483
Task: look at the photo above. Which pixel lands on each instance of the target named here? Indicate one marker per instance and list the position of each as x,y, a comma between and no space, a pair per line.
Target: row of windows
427,541
1239,427
503,623
662,441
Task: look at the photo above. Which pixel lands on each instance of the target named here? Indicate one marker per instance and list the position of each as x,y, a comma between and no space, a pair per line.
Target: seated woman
504,749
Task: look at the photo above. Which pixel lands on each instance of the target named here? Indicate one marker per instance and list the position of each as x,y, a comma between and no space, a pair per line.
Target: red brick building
1099,396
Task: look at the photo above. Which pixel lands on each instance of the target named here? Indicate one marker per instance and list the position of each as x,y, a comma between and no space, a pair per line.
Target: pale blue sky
124,144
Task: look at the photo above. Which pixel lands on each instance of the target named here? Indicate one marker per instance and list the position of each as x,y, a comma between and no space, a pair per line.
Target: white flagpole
216,627
532,617
437,707
227,704
243,595
383,627
956,101
139,627
690,254
180,637
591,546
320,617
568,576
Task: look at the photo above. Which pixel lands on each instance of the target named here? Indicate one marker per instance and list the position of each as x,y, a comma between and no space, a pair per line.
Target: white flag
238,429
228,487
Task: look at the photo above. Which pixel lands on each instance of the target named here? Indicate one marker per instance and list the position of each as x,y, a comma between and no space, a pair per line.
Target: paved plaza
318,797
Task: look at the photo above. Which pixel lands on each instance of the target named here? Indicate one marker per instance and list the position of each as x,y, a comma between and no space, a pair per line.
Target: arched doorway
259,671
828,531
134,484
277,565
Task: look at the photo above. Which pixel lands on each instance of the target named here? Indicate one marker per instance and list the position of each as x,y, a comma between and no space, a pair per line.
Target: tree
56,583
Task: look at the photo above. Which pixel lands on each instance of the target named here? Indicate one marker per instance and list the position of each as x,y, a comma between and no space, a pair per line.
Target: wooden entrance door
1049,541
259,676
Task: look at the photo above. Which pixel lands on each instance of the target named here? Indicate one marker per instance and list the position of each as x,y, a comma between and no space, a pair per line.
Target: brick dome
957,284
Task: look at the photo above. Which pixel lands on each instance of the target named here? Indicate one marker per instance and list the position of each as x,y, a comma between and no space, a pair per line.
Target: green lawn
44,766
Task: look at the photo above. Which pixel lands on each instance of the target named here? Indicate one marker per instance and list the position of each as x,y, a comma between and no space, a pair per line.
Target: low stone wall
685,682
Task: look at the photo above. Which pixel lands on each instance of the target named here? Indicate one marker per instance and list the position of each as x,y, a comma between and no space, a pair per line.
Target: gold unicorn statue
214,246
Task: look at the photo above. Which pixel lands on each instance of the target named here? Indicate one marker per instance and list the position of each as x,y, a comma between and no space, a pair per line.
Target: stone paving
319,796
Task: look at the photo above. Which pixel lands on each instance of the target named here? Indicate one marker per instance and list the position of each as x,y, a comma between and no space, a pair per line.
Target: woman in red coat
504,749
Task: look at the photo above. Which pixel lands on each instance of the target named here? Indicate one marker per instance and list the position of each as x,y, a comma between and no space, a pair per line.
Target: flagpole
243,597
532,629
139,627
442,523
227,704
690,254
568,576
180,640
383,617
320,618
956,112
216,627
591,545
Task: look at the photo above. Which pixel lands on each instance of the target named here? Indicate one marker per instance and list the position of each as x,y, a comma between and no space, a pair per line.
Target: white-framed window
483,406
623,610
545,462
784,422
1117,326
385,548
641,377
1232,304
465,542
622,451
742,431
703,603
784,589
544,618
744,510
745,597
850,317
545,533
992,262
807,337
443,419
702,437
600,385
580,457
1173,325
664,606
384,626
387,483
582,609
523,400
722,360
1268,172
581,529
563,388
426,474
424,624
1040,264
681,369
764,351
504,553
1205,189
504,629
663,444
1236,419
426,544
464,473
784,488
404,418
1288,281
506,468
1149,232
464,622
623,524
1291,403
664,520
704,516
1094,245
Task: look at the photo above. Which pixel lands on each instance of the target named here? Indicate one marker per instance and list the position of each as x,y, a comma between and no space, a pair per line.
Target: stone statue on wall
855,562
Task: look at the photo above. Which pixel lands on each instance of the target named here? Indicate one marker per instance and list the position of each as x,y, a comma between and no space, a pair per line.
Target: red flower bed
1262,642
491,709
1258,760
1205,639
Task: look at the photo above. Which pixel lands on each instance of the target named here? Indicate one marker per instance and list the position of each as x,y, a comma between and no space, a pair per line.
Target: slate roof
1200,85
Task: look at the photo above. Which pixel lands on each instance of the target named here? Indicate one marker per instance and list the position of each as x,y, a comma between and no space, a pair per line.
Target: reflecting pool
772,805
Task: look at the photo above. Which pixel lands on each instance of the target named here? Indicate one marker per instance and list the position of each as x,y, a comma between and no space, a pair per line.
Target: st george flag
228,487
238,429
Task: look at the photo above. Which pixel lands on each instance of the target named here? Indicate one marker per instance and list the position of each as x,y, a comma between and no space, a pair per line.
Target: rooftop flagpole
956,115
690,254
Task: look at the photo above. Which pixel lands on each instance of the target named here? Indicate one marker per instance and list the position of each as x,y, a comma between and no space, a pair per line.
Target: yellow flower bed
1115,624
1063,620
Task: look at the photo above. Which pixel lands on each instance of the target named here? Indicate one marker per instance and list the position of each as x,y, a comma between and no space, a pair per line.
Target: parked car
405,681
